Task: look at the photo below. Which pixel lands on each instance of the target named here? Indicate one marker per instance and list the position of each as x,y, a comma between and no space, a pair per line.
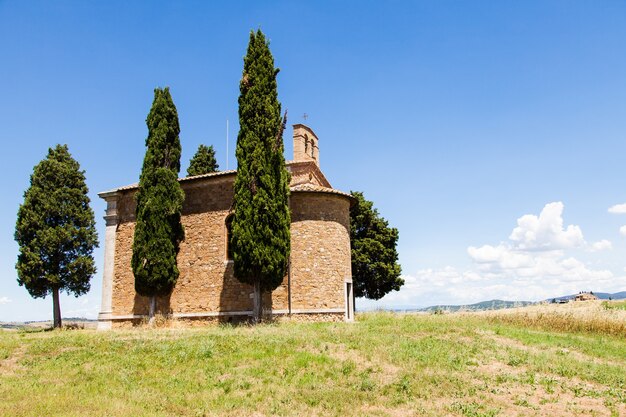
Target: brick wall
320,255
320,245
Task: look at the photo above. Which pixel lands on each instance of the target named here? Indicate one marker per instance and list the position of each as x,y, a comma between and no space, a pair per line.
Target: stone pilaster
105,316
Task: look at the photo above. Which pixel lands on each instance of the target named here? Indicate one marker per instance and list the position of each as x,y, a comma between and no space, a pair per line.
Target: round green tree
260,227
56,231
203,162
375,268
158,229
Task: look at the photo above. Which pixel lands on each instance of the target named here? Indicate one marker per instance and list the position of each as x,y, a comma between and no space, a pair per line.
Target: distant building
318,285
585,296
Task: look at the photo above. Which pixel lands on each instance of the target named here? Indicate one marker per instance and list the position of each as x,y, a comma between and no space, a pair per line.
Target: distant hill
619,295
483,305
36,324
500,304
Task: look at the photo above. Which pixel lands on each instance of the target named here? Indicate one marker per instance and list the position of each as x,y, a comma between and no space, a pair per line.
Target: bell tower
305,144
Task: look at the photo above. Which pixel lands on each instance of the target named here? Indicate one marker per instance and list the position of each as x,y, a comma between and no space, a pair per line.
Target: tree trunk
258,303
152,309
56,308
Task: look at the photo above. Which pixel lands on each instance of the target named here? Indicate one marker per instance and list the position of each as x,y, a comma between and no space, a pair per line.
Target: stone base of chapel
201,320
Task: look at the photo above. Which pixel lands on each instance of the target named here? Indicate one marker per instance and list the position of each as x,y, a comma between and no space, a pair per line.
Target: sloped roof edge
306,187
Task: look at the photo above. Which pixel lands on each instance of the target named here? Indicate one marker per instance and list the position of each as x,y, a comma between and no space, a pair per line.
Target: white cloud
535,258
427,287
501,255
534,264
622,230
550,277
618,209
546,232
486,253
5,300
601,245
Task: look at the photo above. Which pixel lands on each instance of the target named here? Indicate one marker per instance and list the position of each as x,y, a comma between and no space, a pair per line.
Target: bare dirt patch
569,353
516,390
560,398
386,373
372,410
10,366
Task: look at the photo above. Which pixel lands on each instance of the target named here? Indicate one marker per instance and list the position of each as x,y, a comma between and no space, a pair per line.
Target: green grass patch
385,364
614,305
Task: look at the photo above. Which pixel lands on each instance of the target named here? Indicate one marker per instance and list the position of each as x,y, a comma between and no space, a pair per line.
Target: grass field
564,360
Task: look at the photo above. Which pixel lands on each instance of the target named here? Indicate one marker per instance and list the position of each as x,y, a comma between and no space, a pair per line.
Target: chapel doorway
349,302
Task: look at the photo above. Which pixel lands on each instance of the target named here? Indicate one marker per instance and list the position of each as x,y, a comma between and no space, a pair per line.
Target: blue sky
491,134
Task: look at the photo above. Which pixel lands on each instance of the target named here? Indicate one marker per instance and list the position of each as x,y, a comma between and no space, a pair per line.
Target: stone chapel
317,287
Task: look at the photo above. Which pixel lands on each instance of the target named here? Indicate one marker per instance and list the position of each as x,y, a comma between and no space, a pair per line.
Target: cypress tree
203,162
375,268
158,229
56,231
260,228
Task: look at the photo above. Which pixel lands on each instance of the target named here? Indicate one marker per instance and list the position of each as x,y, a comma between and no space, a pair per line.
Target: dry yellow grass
581,316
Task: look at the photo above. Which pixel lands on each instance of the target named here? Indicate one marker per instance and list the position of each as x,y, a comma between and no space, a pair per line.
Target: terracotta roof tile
312,188
136,184
306,187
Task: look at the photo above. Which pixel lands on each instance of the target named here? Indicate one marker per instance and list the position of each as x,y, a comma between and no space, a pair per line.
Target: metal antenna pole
226,144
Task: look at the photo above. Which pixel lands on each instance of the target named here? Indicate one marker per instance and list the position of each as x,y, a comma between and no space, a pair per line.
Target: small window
229,234
306,144
312,148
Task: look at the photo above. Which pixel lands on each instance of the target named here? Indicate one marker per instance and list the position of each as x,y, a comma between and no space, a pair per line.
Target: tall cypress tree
56,231
158,229
203,162
260,227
